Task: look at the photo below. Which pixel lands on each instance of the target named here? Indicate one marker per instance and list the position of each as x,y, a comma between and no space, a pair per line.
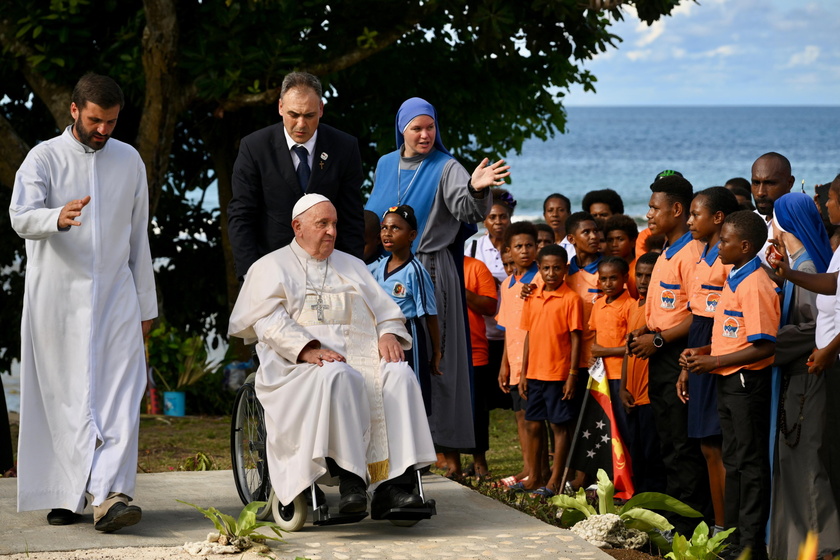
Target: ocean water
623,148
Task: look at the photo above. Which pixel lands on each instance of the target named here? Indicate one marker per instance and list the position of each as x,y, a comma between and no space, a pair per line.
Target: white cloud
804,58
639,55
721,51
649,34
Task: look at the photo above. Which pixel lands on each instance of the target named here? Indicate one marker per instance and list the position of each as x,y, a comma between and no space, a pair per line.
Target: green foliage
700,547
198,462
497,71
246,526
178,360
635,512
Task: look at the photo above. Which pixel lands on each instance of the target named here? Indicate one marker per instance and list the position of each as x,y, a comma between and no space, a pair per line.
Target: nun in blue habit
802,498
423,174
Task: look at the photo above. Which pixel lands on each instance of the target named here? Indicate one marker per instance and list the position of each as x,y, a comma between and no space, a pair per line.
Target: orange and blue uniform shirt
610,321
667,297
510,315
637,368
549,318
707,283
584,282
748,311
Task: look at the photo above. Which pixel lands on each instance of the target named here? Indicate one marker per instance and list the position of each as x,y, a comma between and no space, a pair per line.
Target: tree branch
55,96
162,100
14,149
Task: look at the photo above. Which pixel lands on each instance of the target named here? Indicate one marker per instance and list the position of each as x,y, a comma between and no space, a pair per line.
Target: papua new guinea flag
597,443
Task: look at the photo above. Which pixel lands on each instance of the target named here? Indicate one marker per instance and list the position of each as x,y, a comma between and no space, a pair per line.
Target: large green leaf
661,502
568,502
606,491
650,519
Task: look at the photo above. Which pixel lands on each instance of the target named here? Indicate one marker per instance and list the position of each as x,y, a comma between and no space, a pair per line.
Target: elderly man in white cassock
337,392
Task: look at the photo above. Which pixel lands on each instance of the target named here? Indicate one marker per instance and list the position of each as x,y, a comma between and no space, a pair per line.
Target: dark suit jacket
265,188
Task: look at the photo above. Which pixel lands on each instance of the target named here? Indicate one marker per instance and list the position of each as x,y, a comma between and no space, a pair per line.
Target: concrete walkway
468,525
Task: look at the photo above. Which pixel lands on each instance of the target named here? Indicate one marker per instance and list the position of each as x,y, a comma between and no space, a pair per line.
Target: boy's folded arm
757,351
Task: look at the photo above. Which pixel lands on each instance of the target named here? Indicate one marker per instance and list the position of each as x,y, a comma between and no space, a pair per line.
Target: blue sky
723,52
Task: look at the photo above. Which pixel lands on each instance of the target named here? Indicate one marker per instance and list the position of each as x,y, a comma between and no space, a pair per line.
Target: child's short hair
520,228
750,227
405,212
553,251
574,221
562,197
648,258
604,196
622,222
542,226
738,184
676,188
617,262
719,199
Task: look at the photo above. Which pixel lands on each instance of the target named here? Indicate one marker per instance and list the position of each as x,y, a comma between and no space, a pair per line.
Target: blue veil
409,110
796,213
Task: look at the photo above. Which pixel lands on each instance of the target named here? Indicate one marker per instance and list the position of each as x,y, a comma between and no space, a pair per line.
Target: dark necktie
303,170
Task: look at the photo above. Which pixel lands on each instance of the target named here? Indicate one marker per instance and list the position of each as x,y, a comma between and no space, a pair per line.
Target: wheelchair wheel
247,448
289,518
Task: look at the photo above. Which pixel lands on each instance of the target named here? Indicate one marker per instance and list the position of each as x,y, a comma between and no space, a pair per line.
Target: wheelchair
250,473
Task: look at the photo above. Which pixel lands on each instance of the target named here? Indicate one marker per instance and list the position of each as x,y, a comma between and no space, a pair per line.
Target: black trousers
744,408
687,478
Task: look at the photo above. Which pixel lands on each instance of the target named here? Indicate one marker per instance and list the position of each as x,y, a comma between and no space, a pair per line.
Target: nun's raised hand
492,175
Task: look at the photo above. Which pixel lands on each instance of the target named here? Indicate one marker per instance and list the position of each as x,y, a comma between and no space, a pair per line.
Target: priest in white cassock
80,201
337,392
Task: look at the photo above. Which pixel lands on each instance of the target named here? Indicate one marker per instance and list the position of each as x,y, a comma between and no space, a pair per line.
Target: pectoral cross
319,306
321,163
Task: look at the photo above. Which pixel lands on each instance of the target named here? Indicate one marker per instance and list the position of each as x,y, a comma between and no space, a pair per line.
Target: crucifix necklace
319,306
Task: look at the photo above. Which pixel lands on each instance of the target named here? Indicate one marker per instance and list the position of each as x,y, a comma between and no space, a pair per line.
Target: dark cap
406,212
667,173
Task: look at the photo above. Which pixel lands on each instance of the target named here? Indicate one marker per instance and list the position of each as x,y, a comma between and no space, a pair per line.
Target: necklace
410,183
319,306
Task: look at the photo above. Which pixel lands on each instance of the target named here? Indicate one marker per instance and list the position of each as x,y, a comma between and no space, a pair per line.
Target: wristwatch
658,341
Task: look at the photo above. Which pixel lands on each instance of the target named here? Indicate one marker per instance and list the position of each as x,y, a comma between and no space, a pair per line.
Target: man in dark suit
280,163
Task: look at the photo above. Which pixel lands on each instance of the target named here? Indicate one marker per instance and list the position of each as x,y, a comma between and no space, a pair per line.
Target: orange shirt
707,282
637,368
631,278
609,322
667,301
550,318
584,282
641,241
510,315
748,311
479,280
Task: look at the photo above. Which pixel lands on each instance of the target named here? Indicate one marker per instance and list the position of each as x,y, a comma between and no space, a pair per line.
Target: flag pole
586,398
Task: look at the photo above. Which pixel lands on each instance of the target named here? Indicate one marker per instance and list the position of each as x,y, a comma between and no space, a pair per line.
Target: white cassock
366,414
83,369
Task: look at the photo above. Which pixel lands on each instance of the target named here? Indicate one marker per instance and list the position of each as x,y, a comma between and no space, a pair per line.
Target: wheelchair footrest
322,516
425,512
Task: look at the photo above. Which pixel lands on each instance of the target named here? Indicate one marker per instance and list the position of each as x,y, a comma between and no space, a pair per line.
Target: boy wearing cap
408,283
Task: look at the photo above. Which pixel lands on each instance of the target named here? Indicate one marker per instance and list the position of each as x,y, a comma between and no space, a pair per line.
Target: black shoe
62,517
353,500
120,515
391,496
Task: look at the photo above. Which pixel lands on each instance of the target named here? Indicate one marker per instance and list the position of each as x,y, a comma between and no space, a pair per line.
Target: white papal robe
313,412
86,291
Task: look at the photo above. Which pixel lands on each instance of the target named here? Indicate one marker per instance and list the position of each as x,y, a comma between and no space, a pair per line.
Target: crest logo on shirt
668,298
399,290
731,327
711,302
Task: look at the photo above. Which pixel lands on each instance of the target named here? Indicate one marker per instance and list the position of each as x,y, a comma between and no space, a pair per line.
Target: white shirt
828,310
310,147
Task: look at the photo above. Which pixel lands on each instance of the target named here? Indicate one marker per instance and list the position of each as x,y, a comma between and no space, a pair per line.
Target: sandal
543,492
